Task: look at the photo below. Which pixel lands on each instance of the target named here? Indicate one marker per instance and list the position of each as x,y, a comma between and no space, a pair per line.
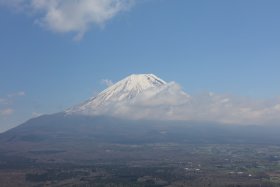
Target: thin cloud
17,94
2,100
63,16
6,112
11,97
107,82
36,114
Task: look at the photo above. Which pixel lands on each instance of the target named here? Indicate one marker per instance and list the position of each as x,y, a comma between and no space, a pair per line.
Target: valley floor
216,165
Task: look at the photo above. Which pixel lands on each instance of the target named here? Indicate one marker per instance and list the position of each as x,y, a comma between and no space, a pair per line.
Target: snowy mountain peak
139,82
124,90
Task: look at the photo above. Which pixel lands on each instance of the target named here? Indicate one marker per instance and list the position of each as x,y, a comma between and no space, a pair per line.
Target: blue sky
219,46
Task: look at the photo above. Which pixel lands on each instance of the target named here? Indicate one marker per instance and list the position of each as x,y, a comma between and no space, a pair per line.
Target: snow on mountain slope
128,91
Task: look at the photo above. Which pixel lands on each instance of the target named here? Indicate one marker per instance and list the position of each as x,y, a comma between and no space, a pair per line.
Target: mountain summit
124,91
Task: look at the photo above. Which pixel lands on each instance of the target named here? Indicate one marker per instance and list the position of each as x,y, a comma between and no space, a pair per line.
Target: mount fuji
138,109
129,109
137,92
125,90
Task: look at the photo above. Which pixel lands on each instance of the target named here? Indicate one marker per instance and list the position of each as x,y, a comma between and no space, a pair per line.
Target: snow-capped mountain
139,109
133,91
142,101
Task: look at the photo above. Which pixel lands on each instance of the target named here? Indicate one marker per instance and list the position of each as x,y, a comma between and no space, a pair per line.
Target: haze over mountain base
65,150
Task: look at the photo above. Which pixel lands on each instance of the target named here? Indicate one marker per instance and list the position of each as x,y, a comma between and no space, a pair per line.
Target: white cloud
76,16
17,94
171,103
36,114
6,112
2,100
10,98
21,93
107,82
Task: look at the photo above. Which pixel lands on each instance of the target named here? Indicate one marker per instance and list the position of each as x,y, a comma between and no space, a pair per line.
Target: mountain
109,116
137,91
124,90
138,109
